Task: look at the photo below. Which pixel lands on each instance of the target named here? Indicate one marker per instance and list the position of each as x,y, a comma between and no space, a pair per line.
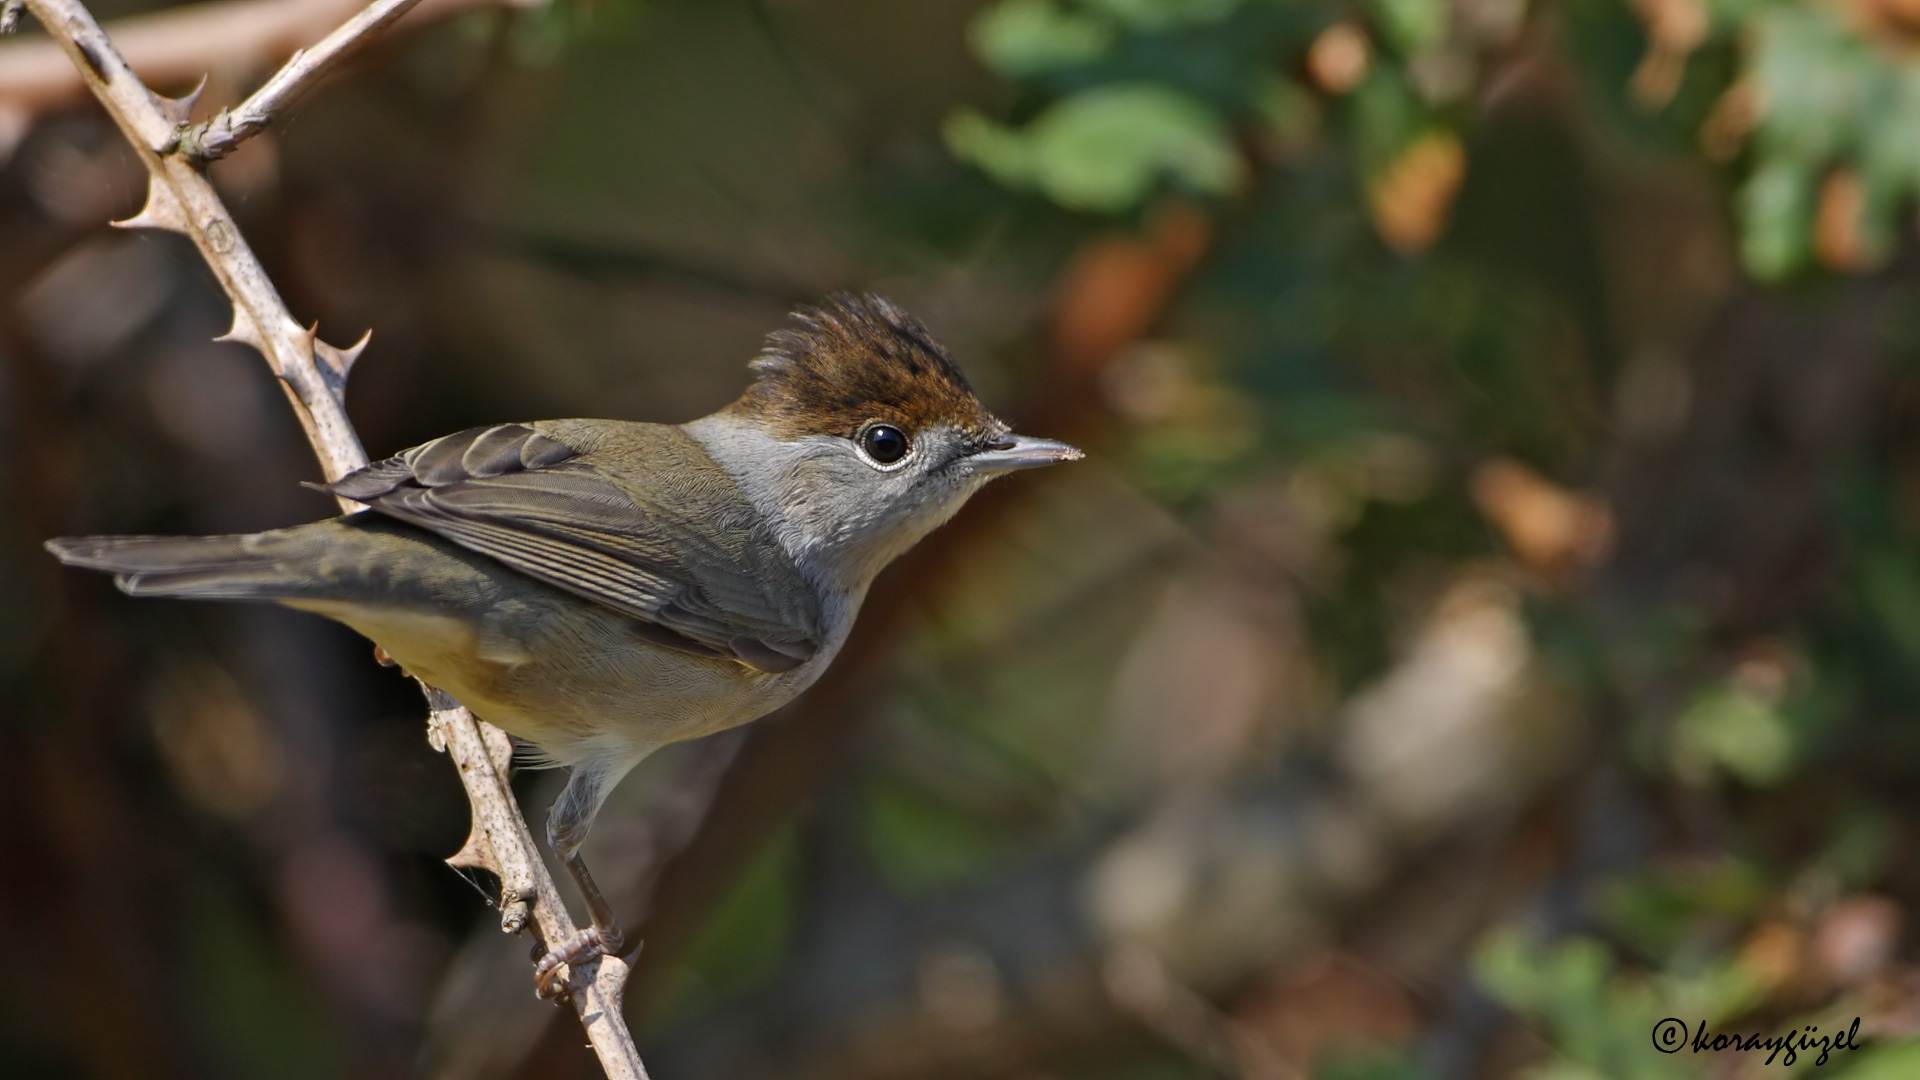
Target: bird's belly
574,687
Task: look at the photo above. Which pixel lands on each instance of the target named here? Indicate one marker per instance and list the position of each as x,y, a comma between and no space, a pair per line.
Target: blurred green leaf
1106,149
1025,37
1891,1061
1890,155
1829,97
1776,205
1731,728
1541,979
1411,25
1812,75
1723,988
1597,1023
1657,910
1387,115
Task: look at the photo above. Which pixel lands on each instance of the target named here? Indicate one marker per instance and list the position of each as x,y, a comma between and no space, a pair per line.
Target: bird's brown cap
853,360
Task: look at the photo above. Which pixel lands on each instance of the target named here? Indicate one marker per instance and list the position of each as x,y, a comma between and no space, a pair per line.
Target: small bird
601,588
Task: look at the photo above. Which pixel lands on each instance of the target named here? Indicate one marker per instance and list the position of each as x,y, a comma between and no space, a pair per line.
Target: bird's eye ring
884,444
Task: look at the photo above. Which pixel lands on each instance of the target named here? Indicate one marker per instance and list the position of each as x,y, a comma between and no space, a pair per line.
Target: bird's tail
250,567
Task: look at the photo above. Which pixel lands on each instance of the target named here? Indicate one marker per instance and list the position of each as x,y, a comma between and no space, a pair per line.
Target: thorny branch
213,139
314,375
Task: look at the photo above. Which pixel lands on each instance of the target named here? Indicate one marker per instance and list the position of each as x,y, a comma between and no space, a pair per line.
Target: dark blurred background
1488,621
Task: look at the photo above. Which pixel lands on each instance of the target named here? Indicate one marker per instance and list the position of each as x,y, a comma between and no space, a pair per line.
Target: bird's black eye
884,443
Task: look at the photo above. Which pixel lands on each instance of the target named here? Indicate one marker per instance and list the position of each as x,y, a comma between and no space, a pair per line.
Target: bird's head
863,432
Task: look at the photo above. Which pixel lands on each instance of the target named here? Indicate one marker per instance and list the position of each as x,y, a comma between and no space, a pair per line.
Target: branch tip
222,134
514,913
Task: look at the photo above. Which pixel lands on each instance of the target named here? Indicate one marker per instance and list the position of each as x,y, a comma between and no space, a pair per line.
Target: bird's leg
612,943
567,825
602,938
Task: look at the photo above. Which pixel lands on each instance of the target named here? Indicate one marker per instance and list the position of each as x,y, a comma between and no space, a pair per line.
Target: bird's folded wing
648,532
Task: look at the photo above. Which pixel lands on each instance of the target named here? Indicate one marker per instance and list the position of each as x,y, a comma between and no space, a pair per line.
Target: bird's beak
1021,452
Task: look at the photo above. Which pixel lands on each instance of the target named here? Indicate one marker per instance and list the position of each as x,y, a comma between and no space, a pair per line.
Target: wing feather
609,517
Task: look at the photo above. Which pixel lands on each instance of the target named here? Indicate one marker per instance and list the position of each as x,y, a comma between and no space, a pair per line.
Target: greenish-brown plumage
634,518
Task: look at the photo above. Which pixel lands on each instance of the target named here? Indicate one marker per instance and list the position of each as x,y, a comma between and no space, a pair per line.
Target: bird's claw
583,946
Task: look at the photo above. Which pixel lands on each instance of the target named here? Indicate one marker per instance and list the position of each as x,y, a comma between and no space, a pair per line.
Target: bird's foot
583,946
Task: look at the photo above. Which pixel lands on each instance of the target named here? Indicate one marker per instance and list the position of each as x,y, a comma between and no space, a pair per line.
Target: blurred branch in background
181,46
601,261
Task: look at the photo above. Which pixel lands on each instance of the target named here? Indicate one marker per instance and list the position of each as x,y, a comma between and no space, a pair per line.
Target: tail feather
196,567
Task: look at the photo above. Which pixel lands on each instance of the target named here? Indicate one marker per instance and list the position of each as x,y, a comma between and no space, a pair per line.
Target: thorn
180,110
474,854
243,331
338,359
323,364
162,211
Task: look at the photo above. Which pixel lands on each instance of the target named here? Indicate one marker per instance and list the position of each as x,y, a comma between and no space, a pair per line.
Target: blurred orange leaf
1116,288
1838,237
1553,531
1412,196
1338,59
